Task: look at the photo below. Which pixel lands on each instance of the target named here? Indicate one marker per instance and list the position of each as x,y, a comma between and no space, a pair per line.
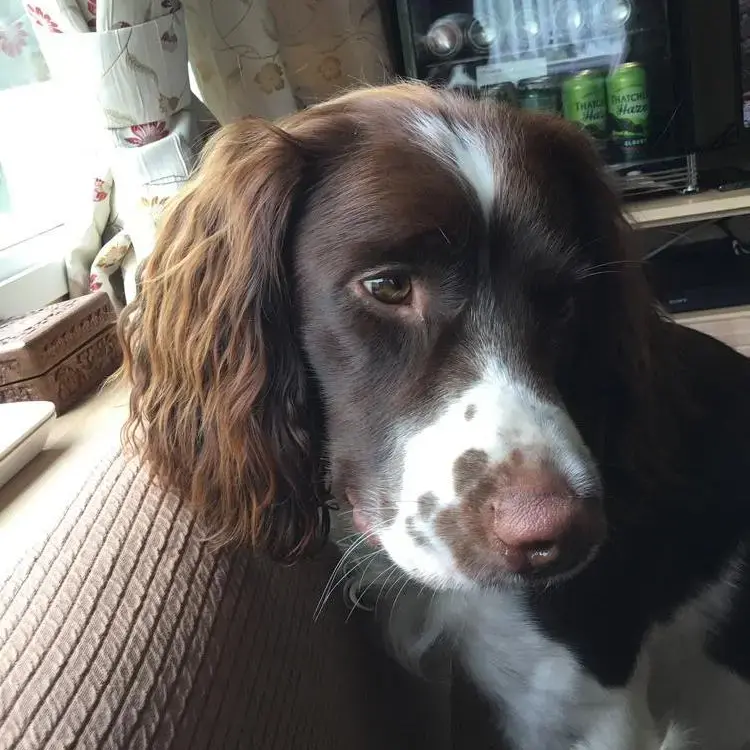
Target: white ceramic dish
24,428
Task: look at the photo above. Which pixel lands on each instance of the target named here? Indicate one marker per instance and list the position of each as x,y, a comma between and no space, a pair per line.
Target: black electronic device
702,275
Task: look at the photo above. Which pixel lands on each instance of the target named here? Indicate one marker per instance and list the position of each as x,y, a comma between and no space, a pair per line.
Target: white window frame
38,143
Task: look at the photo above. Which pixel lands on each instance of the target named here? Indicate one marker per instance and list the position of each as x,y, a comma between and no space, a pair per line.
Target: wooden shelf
728,324
682,209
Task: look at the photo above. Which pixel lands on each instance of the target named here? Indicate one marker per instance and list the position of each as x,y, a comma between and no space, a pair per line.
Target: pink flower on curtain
148,132
99,193
43,19
94,283
13,39
91,10
171,5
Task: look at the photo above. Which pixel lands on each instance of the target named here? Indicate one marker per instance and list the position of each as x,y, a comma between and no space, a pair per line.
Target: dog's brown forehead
393,186
394,179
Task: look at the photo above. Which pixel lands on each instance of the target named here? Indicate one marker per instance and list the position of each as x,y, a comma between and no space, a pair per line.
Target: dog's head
421,302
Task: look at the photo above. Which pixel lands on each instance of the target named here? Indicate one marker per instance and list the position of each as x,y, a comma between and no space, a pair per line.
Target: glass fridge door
744,6
605,64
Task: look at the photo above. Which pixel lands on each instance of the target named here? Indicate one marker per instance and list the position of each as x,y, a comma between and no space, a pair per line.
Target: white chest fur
676,699
545,699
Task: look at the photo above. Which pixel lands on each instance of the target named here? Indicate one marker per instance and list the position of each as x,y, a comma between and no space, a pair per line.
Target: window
39,149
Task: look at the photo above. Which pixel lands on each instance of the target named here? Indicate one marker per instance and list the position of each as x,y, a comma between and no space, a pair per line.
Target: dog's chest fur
544,698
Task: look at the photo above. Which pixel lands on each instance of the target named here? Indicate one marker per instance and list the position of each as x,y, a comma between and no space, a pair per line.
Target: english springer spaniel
429,308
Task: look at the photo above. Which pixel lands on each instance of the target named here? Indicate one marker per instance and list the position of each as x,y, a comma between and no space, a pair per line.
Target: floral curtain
21,61
270,57
125,66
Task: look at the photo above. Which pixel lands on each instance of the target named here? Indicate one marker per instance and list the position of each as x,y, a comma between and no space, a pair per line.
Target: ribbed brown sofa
123,629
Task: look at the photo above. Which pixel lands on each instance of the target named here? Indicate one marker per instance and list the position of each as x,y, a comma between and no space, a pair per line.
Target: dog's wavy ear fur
220,404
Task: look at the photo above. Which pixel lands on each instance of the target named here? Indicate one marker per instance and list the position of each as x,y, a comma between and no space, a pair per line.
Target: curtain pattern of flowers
21,63
21,60
270,57
125,66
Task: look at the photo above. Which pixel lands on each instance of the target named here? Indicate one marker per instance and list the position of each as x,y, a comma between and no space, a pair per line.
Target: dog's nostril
542,553
520,558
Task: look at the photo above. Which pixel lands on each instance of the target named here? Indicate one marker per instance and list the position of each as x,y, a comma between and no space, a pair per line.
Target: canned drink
482,34
585,103
540,94
445,38
629,109
502,92
620,12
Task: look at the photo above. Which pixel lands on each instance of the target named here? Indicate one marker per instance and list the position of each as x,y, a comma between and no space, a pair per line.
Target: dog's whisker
393,569
395,600
389,571
333,581
329,587
362,577
605,272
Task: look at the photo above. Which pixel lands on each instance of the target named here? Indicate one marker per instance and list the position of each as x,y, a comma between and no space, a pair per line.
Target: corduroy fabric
125,630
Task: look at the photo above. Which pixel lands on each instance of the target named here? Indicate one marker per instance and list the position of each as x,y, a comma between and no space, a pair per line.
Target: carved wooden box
59,353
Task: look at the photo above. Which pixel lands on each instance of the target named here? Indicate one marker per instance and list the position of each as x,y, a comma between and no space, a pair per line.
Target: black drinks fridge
654,82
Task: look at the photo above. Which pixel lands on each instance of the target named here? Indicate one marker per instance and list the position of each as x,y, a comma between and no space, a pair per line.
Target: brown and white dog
429,308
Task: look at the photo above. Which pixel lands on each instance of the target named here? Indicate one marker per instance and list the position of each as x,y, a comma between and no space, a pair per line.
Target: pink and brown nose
540,525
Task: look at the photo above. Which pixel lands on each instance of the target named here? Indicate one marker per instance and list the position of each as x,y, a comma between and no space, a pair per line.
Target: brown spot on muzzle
419,538
427,505
468,468
474,528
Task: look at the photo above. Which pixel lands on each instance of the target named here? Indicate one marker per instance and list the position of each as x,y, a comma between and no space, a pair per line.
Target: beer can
629,109
584,98
502,92
540,94
482,34
445,38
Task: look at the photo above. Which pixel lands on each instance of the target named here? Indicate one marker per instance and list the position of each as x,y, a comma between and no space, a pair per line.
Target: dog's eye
390,290
567,309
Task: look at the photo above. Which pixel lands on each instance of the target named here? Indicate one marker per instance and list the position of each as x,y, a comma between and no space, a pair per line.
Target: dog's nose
540,523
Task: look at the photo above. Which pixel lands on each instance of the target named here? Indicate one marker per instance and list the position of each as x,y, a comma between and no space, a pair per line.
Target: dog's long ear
220,407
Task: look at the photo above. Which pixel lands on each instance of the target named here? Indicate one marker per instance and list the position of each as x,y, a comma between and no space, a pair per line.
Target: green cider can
584,98
502,92
629,109
540,94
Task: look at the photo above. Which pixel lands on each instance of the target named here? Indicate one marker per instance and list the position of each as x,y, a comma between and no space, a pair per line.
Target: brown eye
567,310
390,290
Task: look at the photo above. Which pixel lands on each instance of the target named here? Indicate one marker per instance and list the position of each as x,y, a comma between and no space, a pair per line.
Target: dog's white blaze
504,416
466,151
474,160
